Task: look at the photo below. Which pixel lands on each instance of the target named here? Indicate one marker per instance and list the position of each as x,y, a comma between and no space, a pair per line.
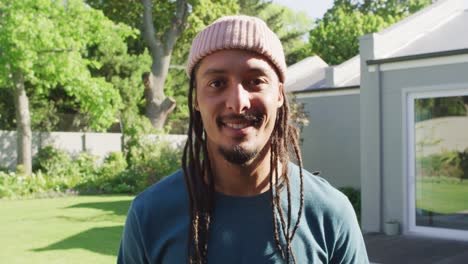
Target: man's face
238,94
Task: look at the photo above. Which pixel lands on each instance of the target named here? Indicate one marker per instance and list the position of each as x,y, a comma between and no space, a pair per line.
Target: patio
401,249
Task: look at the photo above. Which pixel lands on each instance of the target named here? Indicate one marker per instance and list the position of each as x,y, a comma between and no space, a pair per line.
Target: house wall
393,87
330,143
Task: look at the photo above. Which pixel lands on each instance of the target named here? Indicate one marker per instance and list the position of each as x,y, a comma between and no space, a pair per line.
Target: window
438,160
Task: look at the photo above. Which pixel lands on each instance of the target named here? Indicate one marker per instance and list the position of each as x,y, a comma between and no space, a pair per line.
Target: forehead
234,61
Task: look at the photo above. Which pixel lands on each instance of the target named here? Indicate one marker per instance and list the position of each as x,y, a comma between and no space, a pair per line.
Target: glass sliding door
439,160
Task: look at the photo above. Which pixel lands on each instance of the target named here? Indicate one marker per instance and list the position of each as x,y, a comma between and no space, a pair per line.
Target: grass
442,196
77,229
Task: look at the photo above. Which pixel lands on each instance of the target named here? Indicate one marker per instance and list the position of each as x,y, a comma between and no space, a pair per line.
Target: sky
314,8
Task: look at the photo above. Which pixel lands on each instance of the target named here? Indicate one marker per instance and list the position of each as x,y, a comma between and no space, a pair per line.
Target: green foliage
63,171
58,173
7,110
447,164
290,26
463,163
14,185
337,40
52,161
129,12
297,112
204,12
428,108
153,161
354,197
106,178
48,43
335,36
398,8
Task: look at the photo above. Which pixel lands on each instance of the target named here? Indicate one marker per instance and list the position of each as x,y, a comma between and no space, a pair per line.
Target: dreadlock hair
199,180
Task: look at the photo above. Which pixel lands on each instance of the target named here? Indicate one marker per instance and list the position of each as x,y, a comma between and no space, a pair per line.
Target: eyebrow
213,71
259,70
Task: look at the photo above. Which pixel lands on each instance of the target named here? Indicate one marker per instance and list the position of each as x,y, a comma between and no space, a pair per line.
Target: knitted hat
238,32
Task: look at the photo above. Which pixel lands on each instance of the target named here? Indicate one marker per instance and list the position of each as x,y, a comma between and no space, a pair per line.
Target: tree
290,26
335,36
43,46
336,41
167,29
429,108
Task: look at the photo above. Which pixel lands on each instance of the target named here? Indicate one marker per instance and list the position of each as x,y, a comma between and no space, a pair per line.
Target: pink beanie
238,32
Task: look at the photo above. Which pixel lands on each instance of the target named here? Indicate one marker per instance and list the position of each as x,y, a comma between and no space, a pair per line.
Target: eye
217,84
255,82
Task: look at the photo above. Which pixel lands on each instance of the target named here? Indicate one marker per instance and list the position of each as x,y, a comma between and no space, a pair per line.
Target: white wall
330,143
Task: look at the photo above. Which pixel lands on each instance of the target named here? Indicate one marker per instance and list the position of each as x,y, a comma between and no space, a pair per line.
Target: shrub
53,162
4,169
55,172
463,157
447,164
152,162
103,177
14,185
354,196
84,168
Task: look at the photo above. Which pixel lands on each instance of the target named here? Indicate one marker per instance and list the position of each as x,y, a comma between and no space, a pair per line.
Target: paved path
384,249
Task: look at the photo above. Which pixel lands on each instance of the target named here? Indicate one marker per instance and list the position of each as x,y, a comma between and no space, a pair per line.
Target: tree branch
148,27
179,22
55,50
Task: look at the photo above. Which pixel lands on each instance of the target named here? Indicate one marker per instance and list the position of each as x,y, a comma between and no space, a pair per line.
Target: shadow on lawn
101,240
115,207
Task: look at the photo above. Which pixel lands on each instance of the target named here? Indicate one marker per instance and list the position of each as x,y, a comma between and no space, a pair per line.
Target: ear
280,95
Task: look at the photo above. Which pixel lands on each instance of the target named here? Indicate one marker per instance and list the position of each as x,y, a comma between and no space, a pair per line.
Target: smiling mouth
241,121
237,126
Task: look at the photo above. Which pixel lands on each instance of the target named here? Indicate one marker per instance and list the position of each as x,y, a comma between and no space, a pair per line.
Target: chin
237,154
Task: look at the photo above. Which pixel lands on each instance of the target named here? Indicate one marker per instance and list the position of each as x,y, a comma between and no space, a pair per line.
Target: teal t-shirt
157,225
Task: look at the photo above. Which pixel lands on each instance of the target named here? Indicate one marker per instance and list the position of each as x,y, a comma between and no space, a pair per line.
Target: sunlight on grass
442,196
80,229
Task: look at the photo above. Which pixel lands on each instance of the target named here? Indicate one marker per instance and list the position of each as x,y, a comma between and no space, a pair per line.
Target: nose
238,98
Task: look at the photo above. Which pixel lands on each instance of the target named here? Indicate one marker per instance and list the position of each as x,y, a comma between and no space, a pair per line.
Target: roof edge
419,56
328,89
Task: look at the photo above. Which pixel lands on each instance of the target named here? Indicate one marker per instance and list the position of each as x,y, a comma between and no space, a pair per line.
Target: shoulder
319,192
323,202
330,215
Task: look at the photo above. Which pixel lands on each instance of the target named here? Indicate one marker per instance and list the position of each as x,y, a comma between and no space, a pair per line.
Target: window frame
410,95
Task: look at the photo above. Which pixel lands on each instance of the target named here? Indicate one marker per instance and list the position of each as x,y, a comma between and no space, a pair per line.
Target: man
238,198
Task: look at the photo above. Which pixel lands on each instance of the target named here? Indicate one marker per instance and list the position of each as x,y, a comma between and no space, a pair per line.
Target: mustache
255,117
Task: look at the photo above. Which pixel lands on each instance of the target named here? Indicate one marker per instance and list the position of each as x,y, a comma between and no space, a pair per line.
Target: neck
247,179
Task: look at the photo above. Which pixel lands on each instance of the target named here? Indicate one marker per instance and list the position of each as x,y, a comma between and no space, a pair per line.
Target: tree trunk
465,103
23,125
158,106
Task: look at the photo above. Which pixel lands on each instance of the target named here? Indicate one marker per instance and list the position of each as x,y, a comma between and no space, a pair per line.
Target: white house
364,129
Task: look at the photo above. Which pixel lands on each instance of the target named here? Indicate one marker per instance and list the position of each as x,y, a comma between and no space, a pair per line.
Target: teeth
237,126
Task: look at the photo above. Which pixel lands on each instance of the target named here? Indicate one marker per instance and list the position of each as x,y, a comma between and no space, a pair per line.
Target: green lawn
79,229
442,196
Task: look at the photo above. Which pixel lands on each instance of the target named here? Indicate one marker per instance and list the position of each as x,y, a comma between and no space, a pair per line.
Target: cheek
207,112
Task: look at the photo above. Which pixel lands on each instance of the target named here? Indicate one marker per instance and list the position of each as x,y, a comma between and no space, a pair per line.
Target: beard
238,155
